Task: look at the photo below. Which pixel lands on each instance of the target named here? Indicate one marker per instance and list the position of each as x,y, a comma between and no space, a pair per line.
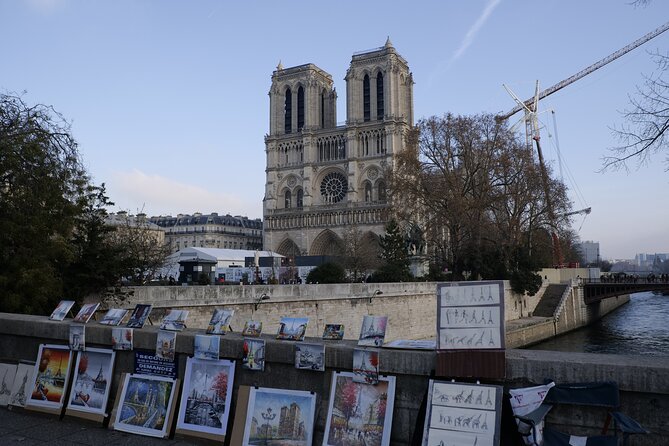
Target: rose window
333,187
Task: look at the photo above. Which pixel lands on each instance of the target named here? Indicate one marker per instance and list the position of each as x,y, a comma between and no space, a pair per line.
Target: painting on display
166,344
292,328
113,316
462,414
253,354
470,315
277,416
7,374
206,347
87,311
310,357
220,321
139,316
122,338
64,307
333,332
206,396
366,366
252,329
145,405
77,337
373,331
92,380
51,371
174,320
359,414
22,386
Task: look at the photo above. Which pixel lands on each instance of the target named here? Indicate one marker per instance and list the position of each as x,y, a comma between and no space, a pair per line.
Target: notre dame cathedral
323,178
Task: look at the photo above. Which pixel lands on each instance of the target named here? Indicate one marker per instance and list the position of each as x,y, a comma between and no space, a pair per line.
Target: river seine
640,327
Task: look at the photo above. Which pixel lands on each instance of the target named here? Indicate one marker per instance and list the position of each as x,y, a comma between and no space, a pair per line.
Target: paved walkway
23,427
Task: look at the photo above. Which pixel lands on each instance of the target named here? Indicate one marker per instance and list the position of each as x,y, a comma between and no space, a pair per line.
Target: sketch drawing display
206,347
333,332
122,338
253,354
470,315
365,366
7,374
252,329
279,417
64,306
139,316
220,321
51,371
113,316
292,328
174,320
77,337
206,396
310,357
87,311
92,380
165,344
145,405
373,331
359,414
460,414
22,385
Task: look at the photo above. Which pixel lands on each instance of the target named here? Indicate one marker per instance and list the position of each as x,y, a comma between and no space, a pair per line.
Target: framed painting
310,357
50,376
373,331
366,366
333,332
220,321
122,338
253,354
92,380
166,344
64,307
139,316
252,329
292,328
77,337
113,316
174,320
87,311
206,347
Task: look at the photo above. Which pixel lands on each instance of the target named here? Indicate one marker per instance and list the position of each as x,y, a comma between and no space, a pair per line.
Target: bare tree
361,252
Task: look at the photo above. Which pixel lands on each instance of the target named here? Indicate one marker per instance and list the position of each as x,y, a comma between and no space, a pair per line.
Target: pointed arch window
287,200
366,98
382,191
368,192
379,97
300,199
288,112
300,108
323,109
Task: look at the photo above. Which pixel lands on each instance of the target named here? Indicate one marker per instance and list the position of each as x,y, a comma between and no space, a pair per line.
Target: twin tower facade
324,179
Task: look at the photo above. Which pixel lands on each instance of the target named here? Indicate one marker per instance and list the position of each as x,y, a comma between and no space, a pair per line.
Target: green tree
395,267
328,272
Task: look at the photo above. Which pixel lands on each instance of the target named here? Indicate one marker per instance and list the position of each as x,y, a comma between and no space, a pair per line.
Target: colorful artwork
113,316
252,329
61,310
292,328
51,371
92,381
310,357
206,347
7,374
366,366
145,405
279,417
410,344
166,344
253,357
87,311
220,321
78,337
139,316
373,331
22,385
333,332
174,320
122,338
206,396
359,414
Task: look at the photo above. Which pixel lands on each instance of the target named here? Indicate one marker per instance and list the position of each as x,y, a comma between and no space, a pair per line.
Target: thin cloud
474,30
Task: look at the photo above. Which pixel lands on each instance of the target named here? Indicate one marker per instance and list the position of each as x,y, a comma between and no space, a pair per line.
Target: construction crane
531,107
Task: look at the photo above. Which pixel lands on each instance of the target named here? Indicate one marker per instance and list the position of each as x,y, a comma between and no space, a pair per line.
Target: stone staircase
550,300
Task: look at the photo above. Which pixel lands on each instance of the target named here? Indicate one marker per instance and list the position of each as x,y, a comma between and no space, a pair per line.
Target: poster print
64,306
359,414
373,331
78,337
113,316
253,354
220,321
206,347
92,381
462,414
279,417
252,329
206,396
292,328
365,366
22,385
333,332
139,316
122,338
166,344
145,405
7,375
174,320
87,311
310,357
49,383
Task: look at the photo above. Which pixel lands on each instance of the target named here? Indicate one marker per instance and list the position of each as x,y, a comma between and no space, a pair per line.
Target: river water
640,327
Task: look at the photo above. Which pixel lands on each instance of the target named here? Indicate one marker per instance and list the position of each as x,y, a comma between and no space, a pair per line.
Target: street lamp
267,416
259,299
374,294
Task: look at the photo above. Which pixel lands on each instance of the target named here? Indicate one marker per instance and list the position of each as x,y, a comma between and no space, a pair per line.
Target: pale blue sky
168,99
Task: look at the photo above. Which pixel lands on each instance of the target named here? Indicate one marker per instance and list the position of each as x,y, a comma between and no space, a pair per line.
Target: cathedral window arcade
288,112
300,108
379,97
366,99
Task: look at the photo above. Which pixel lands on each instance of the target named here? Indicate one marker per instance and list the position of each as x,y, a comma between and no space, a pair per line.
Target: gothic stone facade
323,178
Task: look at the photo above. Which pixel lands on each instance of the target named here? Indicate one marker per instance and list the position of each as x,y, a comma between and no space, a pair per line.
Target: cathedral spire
279,67
388,44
